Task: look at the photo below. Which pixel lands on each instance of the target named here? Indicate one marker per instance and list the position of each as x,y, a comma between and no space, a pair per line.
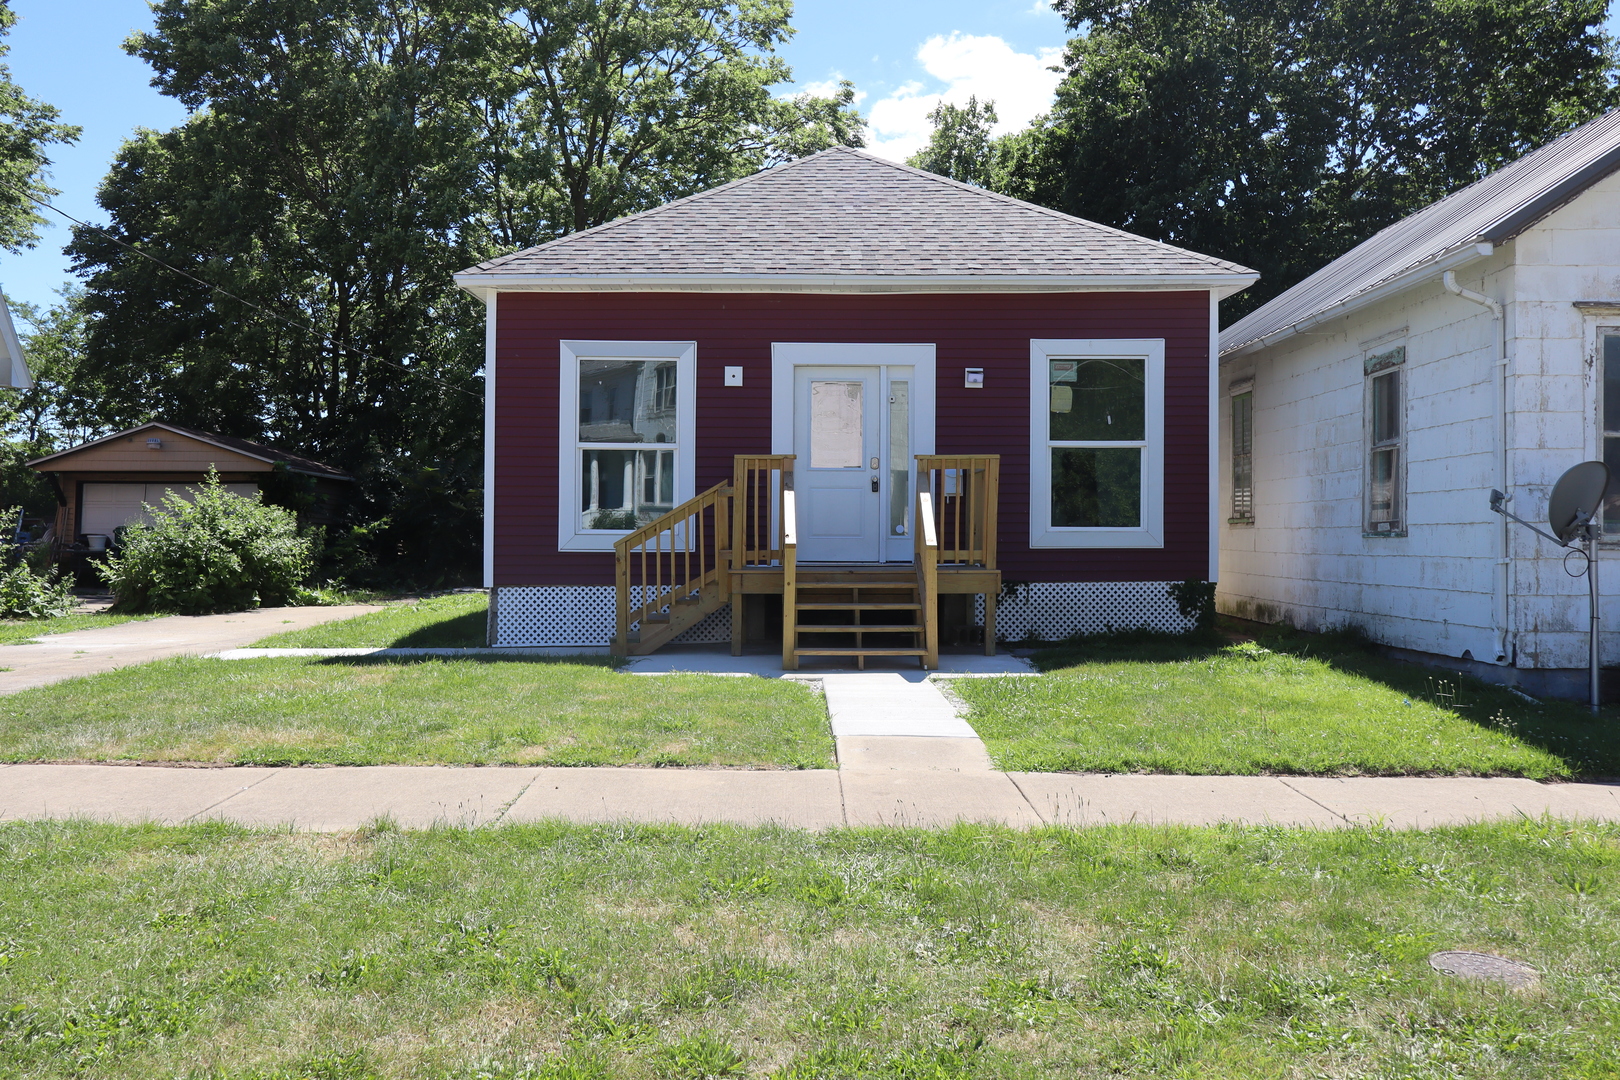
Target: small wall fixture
733,376
973,378
154,444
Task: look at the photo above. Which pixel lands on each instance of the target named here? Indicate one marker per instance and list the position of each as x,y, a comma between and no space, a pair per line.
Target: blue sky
901,54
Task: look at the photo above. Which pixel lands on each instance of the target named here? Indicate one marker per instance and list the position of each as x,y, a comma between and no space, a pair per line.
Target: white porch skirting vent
1052,611
582,615
564,615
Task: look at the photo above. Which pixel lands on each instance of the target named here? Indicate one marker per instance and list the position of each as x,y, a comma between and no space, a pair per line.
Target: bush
220,552
1195,600
28,594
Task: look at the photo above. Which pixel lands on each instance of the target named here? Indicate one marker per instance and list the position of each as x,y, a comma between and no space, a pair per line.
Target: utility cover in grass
1483,967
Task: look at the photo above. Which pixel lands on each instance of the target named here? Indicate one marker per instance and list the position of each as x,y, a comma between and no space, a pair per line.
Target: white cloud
982,67
827,88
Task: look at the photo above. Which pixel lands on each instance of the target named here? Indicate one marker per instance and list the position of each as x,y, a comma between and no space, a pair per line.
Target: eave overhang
1222,284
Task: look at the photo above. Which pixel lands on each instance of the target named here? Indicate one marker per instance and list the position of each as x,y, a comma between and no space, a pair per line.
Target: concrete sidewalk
937,782
87,652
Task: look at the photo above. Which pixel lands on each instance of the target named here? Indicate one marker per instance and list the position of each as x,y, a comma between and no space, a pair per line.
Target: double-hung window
1386,442
1097,443
1242,453
1609,426
627,421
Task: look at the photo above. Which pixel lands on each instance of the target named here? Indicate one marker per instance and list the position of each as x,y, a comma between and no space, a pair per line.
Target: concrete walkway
85,652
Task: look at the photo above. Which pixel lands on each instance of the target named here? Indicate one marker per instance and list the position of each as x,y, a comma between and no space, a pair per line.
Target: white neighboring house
12,362
1372,408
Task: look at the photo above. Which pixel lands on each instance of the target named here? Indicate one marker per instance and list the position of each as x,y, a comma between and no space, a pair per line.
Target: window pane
622,489
1385,474
627,401
1243,456
1098,399
1611,382
1611,496
835,425
1386,406
899,457
1097,488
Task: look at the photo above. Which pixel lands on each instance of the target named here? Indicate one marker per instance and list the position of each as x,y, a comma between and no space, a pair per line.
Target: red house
838,403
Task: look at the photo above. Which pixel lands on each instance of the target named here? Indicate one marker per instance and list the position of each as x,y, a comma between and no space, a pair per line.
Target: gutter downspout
1504,644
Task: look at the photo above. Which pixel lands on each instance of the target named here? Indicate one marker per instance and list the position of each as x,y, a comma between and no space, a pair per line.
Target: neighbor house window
1097,443
1386,441
1609,425
1242,454
626,439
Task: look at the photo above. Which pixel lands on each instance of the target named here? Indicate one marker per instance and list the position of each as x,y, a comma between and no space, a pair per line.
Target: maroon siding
988,330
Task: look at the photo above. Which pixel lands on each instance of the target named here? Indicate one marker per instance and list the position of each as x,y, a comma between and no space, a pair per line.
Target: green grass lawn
22,631
1296,703
578,953
305,711
456,621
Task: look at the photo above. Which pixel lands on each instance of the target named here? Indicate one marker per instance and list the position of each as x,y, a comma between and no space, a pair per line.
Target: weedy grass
583,952
453,621
303,711
23,631
1286,703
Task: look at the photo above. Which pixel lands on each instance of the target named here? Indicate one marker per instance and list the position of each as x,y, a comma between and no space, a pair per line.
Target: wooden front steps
855,612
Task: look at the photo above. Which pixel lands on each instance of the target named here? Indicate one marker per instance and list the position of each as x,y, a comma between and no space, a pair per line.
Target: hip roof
845,217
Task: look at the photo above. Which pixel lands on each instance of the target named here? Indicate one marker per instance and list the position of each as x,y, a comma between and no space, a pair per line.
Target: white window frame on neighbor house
570,536
1241,448
1386,361
1042,533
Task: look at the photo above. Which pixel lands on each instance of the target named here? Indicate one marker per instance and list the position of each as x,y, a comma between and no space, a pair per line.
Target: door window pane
624,489
899,457
1097,487
1098,399
835,425
626,401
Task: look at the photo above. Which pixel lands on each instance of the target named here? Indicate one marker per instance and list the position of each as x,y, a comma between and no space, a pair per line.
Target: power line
260,308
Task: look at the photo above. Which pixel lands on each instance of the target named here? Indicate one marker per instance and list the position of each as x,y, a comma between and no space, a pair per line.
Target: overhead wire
260,308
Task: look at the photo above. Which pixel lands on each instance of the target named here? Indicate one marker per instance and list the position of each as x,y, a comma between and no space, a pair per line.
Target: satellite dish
1576,498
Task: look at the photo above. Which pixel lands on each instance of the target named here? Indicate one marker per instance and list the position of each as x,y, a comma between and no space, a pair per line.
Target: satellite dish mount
1572,515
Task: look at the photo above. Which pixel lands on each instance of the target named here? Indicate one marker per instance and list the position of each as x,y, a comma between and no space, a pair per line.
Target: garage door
107,506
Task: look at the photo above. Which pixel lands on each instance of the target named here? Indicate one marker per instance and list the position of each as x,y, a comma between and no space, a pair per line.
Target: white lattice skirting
564,615
1052,611
582,615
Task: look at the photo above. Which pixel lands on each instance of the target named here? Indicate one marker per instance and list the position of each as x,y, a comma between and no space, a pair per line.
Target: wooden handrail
927,556
759,482
671,558
966,494
790,580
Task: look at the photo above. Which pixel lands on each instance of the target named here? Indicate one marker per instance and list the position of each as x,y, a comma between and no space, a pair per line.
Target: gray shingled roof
1492,210
847,214
295,462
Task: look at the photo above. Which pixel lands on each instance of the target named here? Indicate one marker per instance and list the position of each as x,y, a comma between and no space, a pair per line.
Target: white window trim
1042,534
570,537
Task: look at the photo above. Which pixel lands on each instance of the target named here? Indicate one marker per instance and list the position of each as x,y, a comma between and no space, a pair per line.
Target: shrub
218,552
29,594
1195,600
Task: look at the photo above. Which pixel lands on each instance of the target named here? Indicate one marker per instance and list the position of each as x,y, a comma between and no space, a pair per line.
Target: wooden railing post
790,581
621,600
928,578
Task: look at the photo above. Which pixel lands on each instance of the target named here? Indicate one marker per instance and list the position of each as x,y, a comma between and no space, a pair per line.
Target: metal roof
1489,211
845,216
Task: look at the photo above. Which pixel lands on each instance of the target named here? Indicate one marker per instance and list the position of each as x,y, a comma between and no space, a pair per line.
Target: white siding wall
1306,560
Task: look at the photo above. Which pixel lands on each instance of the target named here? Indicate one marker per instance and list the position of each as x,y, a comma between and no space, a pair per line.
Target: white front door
837,473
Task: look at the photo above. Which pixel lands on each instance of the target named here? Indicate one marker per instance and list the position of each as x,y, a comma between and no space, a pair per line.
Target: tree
343,159
963,148
601,108
1281,134
27,128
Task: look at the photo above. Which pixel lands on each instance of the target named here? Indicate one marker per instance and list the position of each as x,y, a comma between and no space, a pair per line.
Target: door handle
874,485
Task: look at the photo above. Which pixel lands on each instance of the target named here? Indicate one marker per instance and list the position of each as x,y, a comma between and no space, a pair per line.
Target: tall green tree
28,128
1280,133
963,148
343,158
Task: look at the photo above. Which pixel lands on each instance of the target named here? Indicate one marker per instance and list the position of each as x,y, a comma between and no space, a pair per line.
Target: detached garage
104,485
